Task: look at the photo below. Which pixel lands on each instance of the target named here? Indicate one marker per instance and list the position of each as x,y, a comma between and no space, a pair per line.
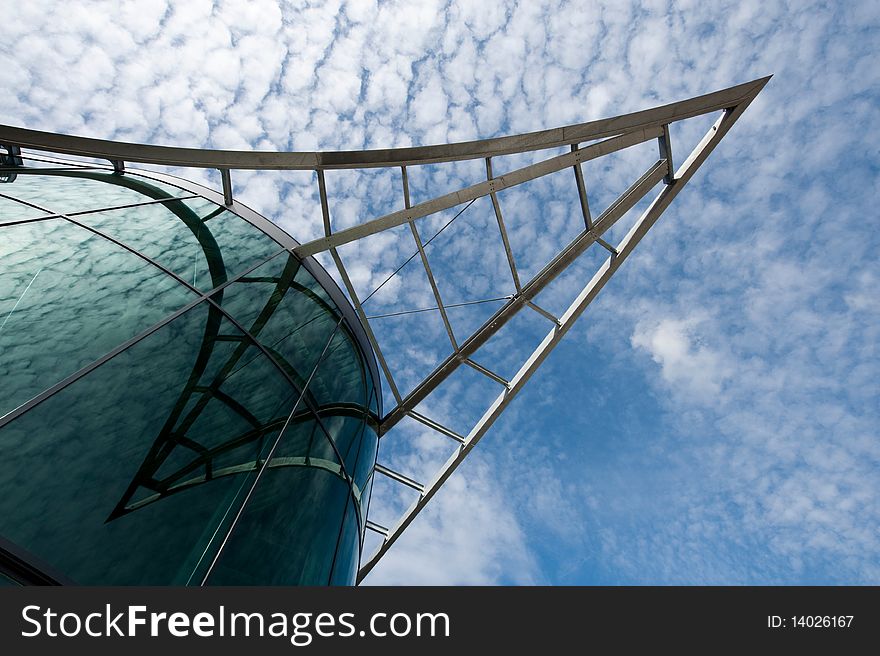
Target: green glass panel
278,305
45,162
289,531
11,210
342,375
105,483
374,399
304,438
369,445
81,191
345,431
203,253
133,473
67,297
348,550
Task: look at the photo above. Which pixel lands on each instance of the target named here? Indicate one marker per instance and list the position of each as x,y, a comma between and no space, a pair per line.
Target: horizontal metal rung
607,246
537,308
486,372
430,423
400,478
377,528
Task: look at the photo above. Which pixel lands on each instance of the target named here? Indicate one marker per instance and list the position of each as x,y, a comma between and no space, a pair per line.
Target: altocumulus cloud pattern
713,417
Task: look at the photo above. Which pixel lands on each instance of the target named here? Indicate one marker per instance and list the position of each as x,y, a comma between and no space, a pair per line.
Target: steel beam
307,161
435,426
226,179
502,228
537,308
479,190
426,265
400,478
664,144
582,192
488,373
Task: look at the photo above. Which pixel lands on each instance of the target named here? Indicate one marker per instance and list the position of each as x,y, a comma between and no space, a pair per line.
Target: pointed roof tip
760,82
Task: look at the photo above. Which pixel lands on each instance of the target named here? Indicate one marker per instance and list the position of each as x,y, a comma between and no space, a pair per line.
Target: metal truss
587,141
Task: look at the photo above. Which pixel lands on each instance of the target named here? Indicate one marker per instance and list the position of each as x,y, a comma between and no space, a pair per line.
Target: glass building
183,400
188,398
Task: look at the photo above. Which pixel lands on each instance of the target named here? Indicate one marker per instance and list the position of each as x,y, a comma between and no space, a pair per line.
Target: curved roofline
238,159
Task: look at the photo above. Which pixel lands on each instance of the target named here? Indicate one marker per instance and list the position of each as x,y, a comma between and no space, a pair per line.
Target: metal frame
586,141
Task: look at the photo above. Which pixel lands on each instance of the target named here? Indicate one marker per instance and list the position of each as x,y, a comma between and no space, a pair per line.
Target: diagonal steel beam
502,229
582,192
426,265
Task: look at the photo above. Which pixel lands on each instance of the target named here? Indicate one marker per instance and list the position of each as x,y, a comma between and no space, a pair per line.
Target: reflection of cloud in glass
135,472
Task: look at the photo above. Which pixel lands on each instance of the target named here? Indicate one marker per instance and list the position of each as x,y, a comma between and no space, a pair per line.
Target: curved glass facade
182,401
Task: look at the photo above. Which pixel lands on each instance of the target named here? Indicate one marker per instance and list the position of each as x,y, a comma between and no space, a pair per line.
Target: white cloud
471,529
675,345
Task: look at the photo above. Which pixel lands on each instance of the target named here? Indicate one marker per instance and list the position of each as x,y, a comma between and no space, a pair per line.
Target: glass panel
11,210
32,160
346,434
366,456
348,549
374,400
112,480
278,305
342,375
203,253
67,297
78,191
304,438
289,531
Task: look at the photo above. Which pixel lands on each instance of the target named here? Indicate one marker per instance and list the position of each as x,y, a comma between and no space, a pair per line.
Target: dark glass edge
22,567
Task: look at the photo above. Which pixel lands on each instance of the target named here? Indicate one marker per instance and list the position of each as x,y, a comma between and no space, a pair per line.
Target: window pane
342,375
346,433
11,210
289,531
113,481
366,456
67,297
204,253
348,550
277,304
304,438
5,581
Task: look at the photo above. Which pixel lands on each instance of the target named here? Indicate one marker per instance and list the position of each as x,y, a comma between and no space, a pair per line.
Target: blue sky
713,417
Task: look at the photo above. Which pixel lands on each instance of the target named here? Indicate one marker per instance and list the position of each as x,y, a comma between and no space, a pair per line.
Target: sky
713,417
